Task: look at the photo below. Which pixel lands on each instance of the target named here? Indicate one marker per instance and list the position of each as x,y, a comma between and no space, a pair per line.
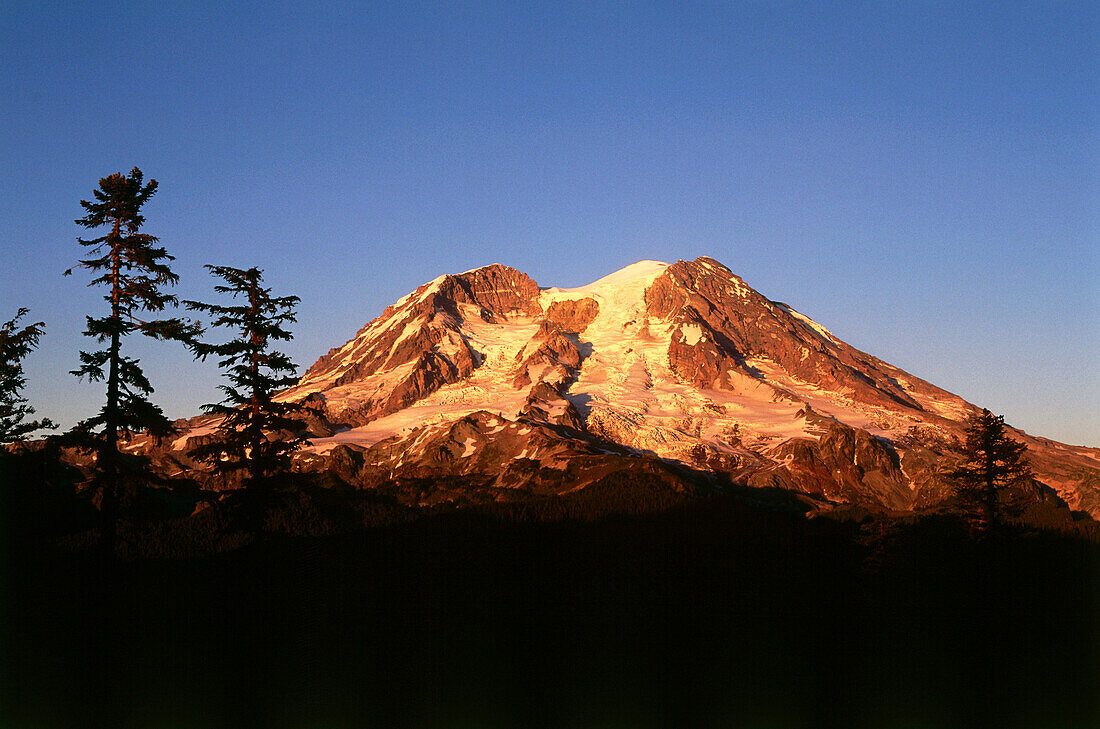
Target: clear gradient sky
923,178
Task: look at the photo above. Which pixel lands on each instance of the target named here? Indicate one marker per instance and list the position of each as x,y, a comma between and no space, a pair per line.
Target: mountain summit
486,374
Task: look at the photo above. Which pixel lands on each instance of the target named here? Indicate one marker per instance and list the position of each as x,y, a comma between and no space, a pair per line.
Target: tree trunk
108,451
255,457
989,493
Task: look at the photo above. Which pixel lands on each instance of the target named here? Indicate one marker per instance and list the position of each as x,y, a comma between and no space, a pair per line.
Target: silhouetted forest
625,604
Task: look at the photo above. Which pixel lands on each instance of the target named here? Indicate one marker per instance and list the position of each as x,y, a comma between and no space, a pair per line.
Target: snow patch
693,334
180,443
820,330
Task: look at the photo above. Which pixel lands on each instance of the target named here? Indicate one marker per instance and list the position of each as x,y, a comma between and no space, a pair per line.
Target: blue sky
922,178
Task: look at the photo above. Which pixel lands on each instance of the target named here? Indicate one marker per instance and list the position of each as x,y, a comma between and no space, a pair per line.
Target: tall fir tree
992,462
256,373
133,269
16,343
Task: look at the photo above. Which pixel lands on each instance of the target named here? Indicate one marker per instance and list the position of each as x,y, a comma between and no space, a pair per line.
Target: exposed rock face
550,355
313,416
847,465
573,315
504,454
1072,471
432,313
497,289
417,345
431,371
724,325
545,404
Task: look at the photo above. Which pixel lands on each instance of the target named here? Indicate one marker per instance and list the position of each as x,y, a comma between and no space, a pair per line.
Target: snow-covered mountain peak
681,361
641,272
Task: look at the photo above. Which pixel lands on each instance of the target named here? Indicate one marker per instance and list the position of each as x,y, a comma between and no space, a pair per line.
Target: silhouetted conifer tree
992,462
255,373
133,269
15,344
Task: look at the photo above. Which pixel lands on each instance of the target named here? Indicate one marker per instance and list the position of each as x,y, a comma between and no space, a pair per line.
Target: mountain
669,368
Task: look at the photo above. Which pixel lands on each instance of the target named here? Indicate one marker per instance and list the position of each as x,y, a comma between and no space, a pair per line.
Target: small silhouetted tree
132,268
991,463
256,373
16,343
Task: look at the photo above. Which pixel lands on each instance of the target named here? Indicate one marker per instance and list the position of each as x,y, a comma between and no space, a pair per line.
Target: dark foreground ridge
625,604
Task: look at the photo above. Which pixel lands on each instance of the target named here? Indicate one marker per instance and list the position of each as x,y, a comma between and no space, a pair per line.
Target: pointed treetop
118,197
